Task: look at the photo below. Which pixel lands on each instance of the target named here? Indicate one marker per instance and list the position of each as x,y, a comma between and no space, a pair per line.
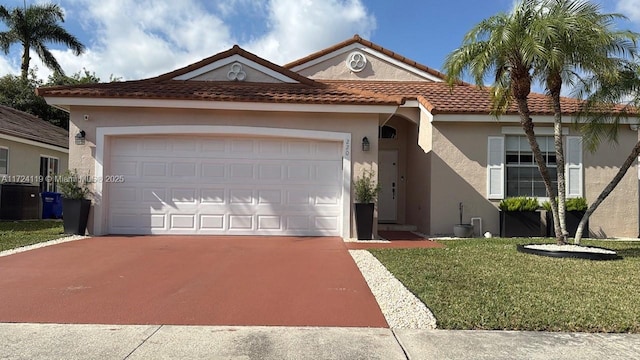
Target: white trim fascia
370,51
236,58
103,132
426,112
411,104
222,105
517,130
34,143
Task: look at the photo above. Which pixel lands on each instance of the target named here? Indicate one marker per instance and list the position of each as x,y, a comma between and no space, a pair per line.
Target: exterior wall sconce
365,144
80,137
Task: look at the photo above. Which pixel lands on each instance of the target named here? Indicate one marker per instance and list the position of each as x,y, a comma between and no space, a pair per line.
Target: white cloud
300,27
629,8
8,67
139,39
144,38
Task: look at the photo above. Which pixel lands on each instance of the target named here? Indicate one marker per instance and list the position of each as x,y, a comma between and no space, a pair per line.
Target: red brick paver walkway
198,280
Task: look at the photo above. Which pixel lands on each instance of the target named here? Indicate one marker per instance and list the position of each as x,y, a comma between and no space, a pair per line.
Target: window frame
6,160
496,162
44,185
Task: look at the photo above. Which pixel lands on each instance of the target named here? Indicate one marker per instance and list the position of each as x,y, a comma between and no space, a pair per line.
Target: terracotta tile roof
357,39
439,98
317,93
23,125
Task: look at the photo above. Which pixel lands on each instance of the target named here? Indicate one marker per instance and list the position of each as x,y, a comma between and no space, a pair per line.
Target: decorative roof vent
236,73
356,61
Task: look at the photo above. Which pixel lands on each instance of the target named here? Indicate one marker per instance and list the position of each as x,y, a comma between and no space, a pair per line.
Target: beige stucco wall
617,216
335,68
458,168
24,159
358,125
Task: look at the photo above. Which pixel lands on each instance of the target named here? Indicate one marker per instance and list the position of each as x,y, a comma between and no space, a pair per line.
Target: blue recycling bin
51,205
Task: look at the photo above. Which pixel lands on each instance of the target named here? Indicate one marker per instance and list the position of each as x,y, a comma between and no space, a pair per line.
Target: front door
388,177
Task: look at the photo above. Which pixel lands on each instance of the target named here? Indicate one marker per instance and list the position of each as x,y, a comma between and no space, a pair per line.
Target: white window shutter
495,167
573,166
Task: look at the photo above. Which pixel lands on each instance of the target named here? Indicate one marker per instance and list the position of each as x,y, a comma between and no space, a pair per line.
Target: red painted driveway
197,280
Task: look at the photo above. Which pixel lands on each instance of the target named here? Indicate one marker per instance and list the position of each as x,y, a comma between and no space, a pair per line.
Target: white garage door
224,185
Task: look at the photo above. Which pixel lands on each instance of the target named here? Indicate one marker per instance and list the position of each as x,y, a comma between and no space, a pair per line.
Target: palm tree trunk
24,67
560,164
527,125
607,190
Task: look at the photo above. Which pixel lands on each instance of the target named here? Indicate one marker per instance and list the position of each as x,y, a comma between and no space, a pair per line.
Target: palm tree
608,103
34,27
582,43
551,41
509,47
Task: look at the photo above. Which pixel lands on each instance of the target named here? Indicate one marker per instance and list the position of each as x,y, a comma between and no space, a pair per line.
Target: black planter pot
75,214
572,220
364,221
520,224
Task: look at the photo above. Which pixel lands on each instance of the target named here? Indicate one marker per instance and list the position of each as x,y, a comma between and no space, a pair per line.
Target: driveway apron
189,280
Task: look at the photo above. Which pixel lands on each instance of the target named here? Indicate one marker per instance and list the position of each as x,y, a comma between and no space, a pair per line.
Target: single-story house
31,149
235,144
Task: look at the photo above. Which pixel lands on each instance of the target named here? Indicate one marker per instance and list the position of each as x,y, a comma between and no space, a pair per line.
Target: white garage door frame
102,133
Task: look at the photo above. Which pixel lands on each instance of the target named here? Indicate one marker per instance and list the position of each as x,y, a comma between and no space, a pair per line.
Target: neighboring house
31,149
235,144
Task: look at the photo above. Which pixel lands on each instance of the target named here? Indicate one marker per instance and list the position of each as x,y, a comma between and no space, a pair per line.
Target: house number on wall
347,147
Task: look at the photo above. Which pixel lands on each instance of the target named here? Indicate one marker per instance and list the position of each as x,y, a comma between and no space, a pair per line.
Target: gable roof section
176,85
440,98
26,126
235,53
356,39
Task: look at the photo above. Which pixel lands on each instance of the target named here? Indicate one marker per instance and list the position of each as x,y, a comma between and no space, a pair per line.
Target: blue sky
138,39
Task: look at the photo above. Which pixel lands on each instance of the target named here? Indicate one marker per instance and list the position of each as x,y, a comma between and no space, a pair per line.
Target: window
523,177
512,170
4,161
48,170
386,132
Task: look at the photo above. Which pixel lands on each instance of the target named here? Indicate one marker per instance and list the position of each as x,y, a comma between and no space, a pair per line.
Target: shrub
577,204
572,204
366,188
72,186
519,203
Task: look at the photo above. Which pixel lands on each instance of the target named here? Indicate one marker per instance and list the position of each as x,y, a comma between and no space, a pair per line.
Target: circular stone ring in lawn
569,251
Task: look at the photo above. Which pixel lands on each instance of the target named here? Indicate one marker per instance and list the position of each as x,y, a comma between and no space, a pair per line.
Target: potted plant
462,230
575,209
519,217
75,205
366,191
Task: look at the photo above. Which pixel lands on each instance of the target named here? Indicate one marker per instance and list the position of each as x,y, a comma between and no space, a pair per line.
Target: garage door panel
153,169
125,168
212,221
184,169
183,221
240,222
212,185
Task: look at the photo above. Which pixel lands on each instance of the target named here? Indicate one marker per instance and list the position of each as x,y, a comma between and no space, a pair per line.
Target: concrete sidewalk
53,341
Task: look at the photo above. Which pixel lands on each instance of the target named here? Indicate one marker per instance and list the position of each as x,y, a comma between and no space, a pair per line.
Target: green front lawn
15,234
487,284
